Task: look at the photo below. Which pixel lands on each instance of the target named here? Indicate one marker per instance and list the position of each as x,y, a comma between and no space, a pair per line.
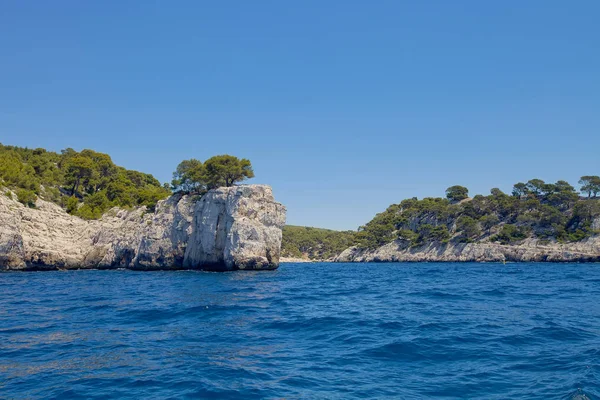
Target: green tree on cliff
79,169
104,171
520,190
193,176
536,186
189,177
226,170
590,185
457,193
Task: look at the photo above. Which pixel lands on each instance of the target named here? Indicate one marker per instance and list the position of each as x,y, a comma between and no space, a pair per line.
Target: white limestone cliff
530,250
226,229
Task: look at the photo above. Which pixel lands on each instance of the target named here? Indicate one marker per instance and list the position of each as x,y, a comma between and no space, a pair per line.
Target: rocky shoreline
296,260
530,250
226,229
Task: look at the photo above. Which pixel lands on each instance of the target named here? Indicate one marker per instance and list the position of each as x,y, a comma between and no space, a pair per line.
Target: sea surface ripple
304,331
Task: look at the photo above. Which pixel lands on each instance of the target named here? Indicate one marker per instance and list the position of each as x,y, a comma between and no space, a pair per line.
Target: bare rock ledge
530,250
227,229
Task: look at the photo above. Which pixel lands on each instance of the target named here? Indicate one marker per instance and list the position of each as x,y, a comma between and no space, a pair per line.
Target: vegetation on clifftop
194,176
535,209
549,212
85,183
88,183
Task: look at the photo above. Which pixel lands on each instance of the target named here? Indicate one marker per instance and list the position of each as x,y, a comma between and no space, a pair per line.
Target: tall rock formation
226,229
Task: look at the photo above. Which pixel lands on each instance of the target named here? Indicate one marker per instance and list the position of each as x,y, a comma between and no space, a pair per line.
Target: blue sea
304,331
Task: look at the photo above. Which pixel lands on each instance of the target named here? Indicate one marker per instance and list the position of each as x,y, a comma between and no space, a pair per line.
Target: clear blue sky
344,107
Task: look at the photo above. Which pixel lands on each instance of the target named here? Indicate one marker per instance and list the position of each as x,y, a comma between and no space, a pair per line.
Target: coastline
530,250
297,260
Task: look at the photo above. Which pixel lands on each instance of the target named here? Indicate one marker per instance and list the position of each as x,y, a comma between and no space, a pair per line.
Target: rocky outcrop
226,229
297,260
529,250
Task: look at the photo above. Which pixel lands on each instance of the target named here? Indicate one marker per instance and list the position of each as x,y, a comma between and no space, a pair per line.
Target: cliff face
530,250
227,229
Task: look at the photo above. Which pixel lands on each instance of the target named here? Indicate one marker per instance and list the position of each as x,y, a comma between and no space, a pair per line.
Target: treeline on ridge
85,183
535,209
88,183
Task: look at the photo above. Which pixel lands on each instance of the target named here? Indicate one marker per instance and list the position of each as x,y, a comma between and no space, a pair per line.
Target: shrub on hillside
26,197
510,234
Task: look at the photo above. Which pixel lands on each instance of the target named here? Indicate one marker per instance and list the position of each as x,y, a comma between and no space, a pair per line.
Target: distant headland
538,221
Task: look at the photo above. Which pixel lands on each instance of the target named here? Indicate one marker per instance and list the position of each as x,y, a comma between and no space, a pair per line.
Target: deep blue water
340,331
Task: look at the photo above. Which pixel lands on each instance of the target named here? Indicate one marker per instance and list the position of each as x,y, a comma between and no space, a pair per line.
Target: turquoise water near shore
335,331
